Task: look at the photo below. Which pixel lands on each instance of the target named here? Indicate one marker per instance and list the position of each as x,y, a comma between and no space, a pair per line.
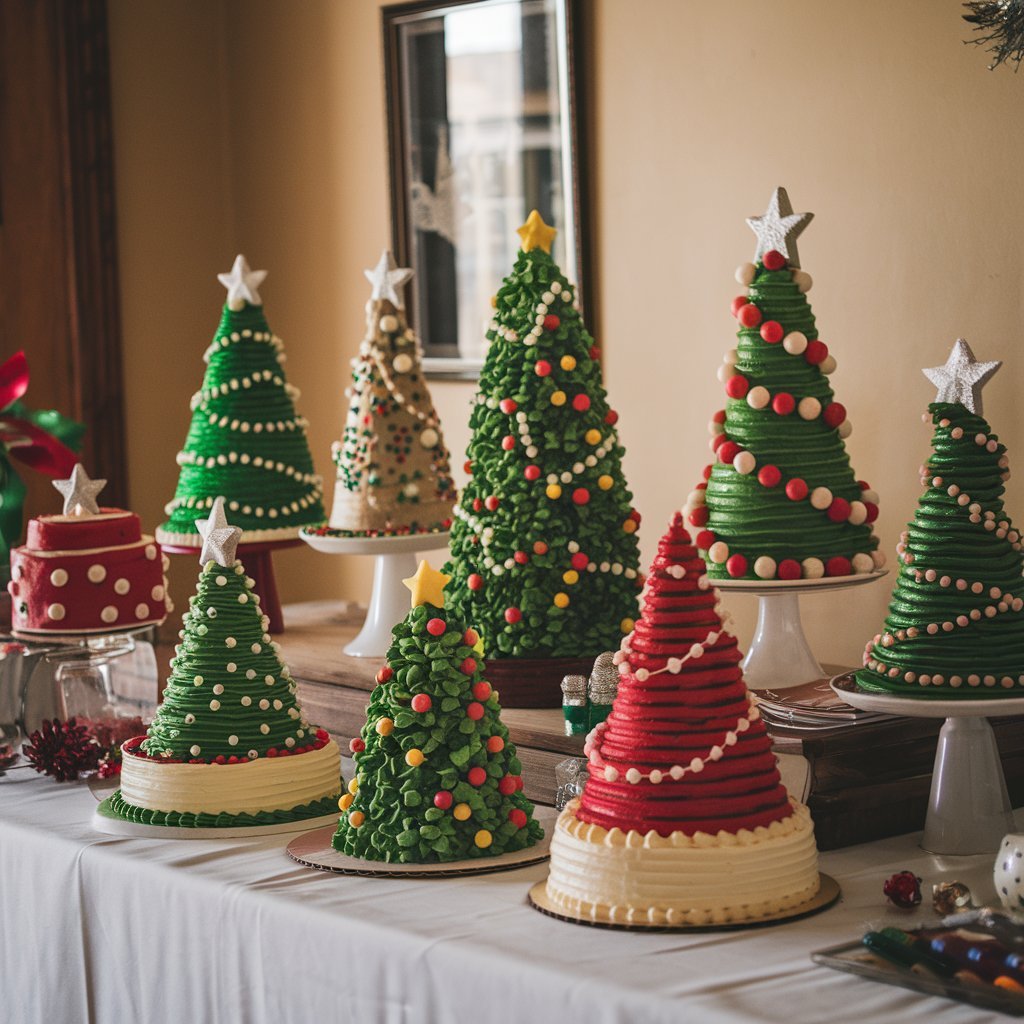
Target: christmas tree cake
229,746
779,501
955,628
436,777
87,570
246,441
683,819
544,546
393,467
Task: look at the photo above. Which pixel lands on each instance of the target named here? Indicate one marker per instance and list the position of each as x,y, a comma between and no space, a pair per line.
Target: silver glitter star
962,378
219,539
241,283
387,278
779,227
80,492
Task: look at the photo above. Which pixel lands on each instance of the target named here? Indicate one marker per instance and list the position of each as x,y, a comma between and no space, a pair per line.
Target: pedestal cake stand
779,656
389,603
968,806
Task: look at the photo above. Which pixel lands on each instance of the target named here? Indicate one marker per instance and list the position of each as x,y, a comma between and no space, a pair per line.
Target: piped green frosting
186,819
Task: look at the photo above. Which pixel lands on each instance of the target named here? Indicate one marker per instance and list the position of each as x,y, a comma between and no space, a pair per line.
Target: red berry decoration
595,352
580,496
542,368
467,467
903,890
384,674
834,414
736,566
62,749
495,744
788,569
356,745
749,315
816,352
421,703
507,785
491,503
470,637
708,468
728,451
474,581
699,516
512,615
476,776
475,710
521,558
508,405
737,386
517,817
771,331
477,504
838,566
611,418
864,485
773,260
579,560
551,322
532,472
468,666
508,442
769,476
705,539
581,403
839,510
783,403
871,511
436,627
540,548
481,690
796,489
738,303
443,799
716,442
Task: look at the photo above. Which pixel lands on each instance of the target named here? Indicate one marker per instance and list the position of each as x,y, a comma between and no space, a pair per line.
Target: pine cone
63,750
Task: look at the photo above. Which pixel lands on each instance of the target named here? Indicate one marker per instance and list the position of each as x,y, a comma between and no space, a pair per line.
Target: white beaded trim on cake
245,458
234,337
204,395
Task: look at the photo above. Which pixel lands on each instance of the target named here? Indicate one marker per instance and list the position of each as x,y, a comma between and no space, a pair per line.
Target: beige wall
258,126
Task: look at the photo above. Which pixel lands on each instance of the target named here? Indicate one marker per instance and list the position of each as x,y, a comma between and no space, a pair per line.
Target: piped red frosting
683,748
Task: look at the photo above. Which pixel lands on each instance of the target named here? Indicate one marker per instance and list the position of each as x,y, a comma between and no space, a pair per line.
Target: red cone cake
683,820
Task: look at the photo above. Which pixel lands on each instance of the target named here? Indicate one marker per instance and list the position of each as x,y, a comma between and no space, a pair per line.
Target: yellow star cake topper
536,234
427,586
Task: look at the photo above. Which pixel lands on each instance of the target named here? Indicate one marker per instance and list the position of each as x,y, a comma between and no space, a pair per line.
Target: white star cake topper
219,539
242,284
962,378
80,492
388,280
779,227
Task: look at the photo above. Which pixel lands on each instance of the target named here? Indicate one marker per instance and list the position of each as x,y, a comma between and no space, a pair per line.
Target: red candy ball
443,799
719,416
474,581
468,467
903,889
736,566
839,510
356,745
834,414
771,331
435,627
540,548
705,539
507,785
421,703
708,468
482,690
581,403
508,442
517,817
468,666
595,352
699,516
796,489
495,744
508,405
783,403
579,560
581,496
384,674
521,557
728,451
789,569
749,315
716,442
551,322
475,710
816,352
532,472
737,386
838,566
470,637
542,368
611,418
512,615
872,511
769,476
738,303
477,504
773,260
491,503
476,776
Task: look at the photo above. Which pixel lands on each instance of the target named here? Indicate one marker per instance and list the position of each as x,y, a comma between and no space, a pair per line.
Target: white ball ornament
845,429
758,397
765,567
803,281
809,408
821,498
795,343
109,614
122,586
858,513
745,273
402,363
813,568
862,562
744,463
719,552
96,573
828,365
429,438
389,324
56,612
59,577
731,358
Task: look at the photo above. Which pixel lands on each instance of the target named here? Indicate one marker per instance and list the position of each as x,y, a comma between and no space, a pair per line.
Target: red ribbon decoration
25,441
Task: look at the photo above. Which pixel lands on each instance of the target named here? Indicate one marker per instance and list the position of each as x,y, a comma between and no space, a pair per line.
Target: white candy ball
744,463
764,568
845,429
878,557
858,513
718,552
745,273
402,363
813,568
429,438
869,495
828,365
758,397
695,498
821,498
809,408
802,280
795,343
731,358
388,324
862,562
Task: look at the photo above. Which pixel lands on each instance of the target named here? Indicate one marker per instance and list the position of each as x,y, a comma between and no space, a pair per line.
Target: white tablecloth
140,931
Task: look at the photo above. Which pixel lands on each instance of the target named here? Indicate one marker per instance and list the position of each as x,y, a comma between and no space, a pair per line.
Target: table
98,928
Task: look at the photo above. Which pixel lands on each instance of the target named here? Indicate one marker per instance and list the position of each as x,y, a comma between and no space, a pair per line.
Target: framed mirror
483,126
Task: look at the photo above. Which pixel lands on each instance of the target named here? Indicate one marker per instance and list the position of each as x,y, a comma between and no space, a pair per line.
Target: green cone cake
229,746
246,441
436,777
780,500
544,547
955,627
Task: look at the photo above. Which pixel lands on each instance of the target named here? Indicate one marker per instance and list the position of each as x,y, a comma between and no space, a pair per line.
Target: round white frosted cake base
779,655
395,560
828,893
314,850
105,820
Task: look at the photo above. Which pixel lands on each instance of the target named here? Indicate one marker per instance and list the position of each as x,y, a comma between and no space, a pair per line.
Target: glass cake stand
968,806
395,560
779,656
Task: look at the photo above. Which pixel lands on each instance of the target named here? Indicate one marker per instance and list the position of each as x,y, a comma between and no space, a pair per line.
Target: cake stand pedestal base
395,560
968,806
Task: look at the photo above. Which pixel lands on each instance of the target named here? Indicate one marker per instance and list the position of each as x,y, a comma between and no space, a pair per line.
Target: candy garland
204,395
226,340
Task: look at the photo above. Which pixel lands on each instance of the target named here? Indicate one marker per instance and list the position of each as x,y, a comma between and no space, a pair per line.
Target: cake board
968,806
314,850
256,557
394,560
779,655
826,896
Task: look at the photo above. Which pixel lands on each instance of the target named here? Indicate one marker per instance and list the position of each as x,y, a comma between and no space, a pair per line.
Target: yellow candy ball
592,436
558,398
571,576
483,839
414,758
561,600
461,812
567,362
605,482
626,625
553,491
345,802
494,302
384,727
353,786
356,818
629,526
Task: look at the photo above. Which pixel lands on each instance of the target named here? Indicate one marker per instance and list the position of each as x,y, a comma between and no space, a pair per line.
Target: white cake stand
968,807
779,656
389,602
